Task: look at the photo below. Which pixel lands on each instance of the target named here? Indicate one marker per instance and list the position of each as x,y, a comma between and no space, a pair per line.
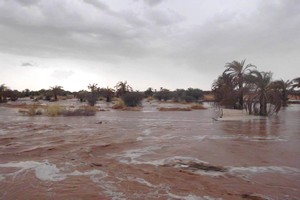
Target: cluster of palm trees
95,92
244,87
6,93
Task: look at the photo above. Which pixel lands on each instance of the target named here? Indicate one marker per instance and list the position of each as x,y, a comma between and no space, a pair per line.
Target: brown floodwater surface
149,155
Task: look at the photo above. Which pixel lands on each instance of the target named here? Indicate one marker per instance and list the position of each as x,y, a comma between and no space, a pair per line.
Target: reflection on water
149,155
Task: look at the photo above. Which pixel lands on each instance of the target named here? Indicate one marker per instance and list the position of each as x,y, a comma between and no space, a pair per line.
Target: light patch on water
262,139
157,138
1,177
147,132
3,132
191,197
242,137
46,171
142,181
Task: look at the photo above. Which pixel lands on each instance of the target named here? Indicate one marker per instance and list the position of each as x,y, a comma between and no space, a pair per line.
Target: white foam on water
109,189
142,181
266,169
263,139
191,197
45,171
130,156
156,138
242,137
147,132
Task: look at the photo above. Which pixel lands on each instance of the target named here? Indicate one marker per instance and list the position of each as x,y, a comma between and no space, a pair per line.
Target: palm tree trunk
284,99
263,106
241,99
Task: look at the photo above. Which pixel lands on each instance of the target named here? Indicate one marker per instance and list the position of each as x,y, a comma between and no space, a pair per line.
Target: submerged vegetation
244,87
56,110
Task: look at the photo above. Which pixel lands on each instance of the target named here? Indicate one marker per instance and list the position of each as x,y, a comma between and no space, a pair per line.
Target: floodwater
149,155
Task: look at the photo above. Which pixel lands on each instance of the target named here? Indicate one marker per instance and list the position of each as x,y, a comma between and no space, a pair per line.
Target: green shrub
163,94
91,98
132,99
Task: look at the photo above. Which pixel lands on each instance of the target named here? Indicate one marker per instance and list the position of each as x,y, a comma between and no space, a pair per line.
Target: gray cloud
153,37
49,30
98,4
27,2
27,64
153,2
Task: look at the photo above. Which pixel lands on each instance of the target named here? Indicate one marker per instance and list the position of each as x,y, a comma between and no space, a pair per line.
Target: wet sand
149,155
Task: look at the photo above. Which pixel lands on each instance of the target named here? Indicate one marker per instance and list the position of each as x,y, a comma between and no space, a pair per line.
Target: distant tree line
94,93
242,86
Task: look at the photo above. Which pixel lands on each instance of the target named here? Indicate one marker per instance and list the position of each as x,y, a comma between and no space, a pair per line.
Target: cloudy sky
149,43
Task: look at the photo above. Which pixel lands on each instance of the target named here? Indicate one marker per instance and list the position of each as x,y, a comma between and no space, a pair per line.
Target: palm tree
296,82
223,90
108,93
3,89
122,88
284,87
56,90
237,71
262,92
93,87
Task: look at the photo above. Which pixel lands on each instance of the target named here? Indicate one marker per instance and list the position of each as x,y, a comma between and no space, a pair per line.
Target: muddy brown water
149,155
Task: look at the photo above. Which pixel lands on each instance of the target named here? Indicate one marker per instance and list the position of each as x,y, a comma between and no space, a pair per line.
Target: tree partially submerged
3,97
263,97
224,91
243,86
285,88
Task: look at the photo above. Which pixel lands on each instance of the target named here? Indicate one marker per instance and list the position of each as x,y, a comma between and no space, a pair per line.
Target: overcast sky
149,43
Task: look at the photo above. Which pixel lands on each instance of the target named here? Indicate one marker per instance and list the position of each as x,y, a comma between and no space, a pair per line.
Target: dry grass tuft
119,105
30,109
132,109
149,99
54,110
197,107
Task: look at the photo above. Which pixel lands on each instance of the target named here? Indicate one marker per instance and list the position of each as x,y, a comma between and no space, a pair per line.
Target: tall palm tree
122,88
238,70
263,92
56,90
284,87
